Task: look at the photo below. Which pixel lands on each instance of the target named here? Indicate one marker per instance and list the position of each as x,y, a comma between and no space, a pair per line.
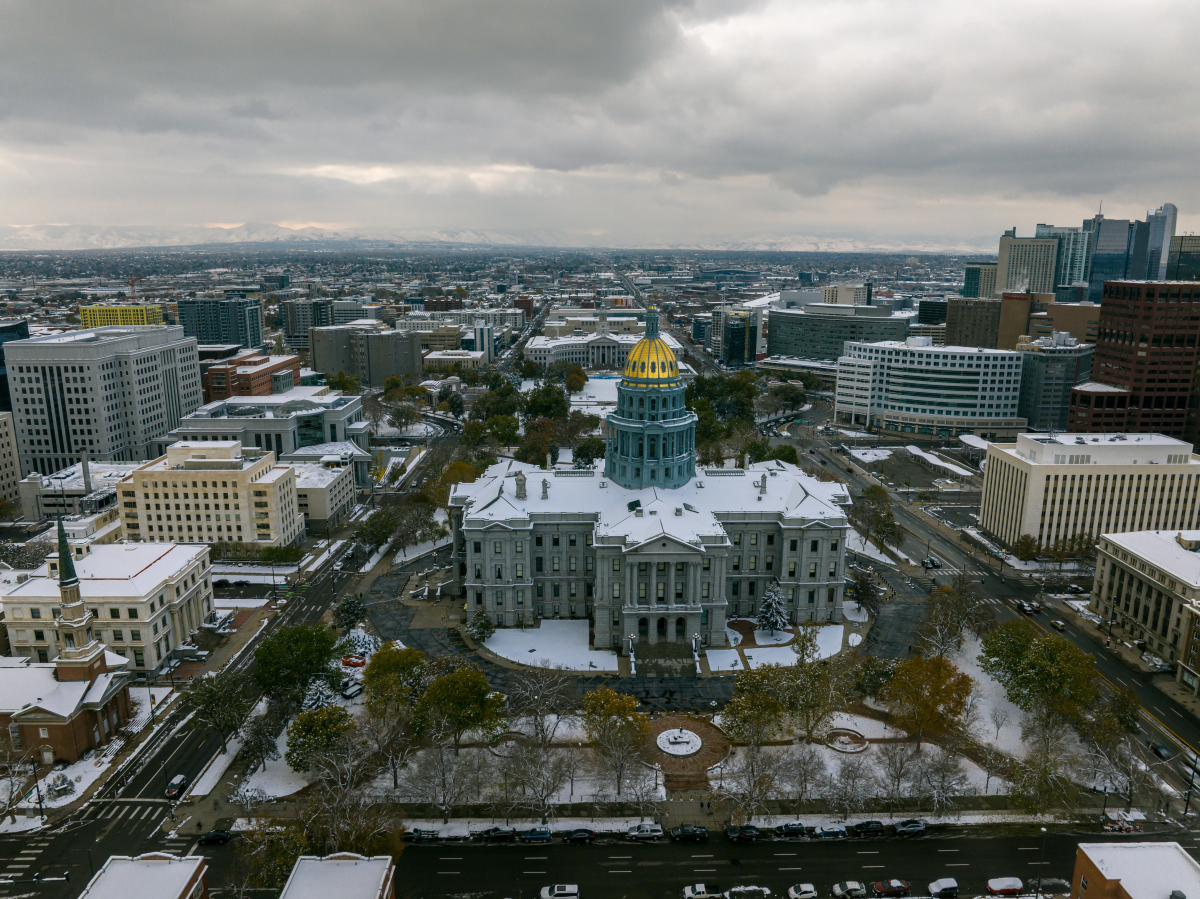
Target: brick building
59,710
250,373
1144,370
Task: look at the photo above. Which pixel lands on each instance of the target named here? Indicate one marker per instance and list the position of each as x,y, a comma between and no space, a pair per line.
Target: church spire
651,323
66,564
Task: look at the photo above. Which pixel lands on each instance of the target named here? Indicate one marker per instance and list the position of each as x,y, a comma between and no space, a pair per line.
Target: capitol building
650,549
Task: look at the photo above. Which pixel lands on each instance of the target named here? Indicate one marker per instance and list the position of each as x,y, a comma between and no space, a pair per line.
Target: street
618,868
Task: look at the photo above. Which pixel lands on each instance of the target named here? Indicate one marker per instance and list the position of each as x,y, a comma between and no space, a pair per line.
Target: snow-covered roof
688,514
115,570
313,474
1162,550
346,876
154,874
342,448
1146,870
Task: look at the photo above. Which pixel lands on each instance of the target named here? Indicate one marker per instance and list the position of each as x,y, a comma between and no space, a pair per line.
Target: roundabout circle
679,742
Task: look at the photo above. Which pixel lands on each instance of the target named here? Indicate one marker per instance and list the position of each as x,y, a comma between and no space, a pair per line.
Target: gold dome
651,360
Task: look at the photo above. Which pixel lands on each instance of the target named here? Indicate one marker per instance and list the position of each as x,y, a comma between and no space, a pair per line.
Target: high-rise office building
300,315
1183,260
1120,249
10,329
1145,362
819,331
931,311
103,316
374,354
979,280
107,392
972,322
485,340
1050,368
1162,232
231,319
1072,252
1026,263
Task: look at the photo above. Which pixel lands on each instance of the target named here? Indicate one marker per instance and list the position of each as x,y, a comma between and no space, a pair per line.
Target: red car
890,888
353,661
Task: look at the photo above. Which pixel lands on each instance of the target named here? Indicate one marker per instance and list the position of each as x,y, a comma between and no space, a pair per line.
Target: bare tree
539,773
16,769
999,716
955,609
540,701
440,777
942,779
849,789
802,769
898,765
747,782
351,819
388,728
1128,767
816,689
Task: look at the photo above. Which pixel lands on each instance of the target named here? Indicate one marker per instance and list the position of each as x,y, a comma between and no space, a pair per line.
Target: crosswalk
127,810
25,865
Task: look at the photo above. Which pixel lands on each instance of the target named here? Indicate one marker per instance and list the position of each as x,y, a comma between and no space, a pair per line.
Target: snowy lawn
758,656
851,611
278,779
868,727
871,455
732,636
860,544
726,660
855,639
554,643
993,703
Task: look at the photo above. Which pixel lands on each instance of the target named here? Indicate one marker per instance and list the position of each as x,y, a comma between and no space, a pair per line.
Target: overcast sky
617,122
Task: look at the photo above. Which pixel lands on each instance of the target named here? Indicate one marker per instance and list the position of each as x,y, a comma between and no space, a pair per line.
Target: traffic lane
618,868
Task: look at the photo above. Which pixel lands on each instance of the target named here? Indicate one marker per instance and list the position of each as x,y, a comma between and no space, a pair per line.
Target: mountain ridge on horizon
47,238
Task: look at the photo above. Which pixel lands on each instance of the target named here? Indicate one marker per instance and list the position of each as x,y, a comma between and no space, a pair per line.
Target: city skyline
710,125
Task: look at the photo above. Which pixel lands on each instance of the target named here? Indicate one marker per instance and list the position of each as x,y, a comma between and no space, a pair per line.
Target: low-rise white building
915,387
1056,486
348,875
145,599
600,350
324,492
156,874
162,500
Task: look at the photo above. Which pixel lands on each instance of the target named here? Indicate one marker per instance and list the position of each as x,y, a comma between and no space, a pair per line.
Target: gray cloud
622,122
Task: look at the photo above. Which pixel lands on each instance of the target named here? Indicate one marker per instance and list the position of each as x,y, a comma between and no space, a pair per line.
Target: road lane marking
533,872
872,866
448,872
620,856
1177,712
1157,709
791,869
1039,863
701,856
785,853
868,852
1027,849
703,870
959,865
610,872
947,850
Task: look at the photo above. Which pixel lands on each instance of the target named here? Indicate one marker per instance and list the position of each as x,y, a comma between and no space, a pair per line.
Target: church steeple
81,656
68,581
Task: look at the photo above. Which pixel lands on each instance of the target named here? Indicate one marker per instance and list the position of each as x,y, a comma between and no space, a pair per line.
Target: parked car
645,832
892,887
946,888
177,785
868,829
537,835
1075,589
703,891
1005,886
689,833
747,892
851,889
561,891
352,689
498,835
582,835
831,832
745,833
241,583
802,891
417,835
913,826
220,583
1058,624
215,836
793,830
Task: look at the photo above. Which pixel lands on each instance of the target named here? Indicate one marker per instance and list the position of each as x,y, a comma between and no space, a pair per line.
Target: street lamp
1041,863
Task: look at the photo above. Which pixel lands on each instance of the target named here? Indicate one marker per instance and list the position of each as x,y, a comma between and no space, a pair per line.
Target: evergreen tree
772,613
480,627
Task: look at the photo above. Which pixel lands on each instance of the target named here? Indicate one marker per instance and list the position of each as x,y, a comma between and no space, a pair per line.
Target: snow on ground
228,569
208,780
860,544
554,643
868,727
991,696
1081,608
725,660
21,825
851,611
239,602
871,455
855,639
278,779
766,638
854,433
939,462
758,656
408,553
732,636
374,560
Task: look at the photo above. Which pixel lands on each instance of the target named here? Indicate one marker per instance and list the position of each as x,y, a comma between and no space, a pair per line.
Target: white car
802,891
645,832
561,891
703,891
